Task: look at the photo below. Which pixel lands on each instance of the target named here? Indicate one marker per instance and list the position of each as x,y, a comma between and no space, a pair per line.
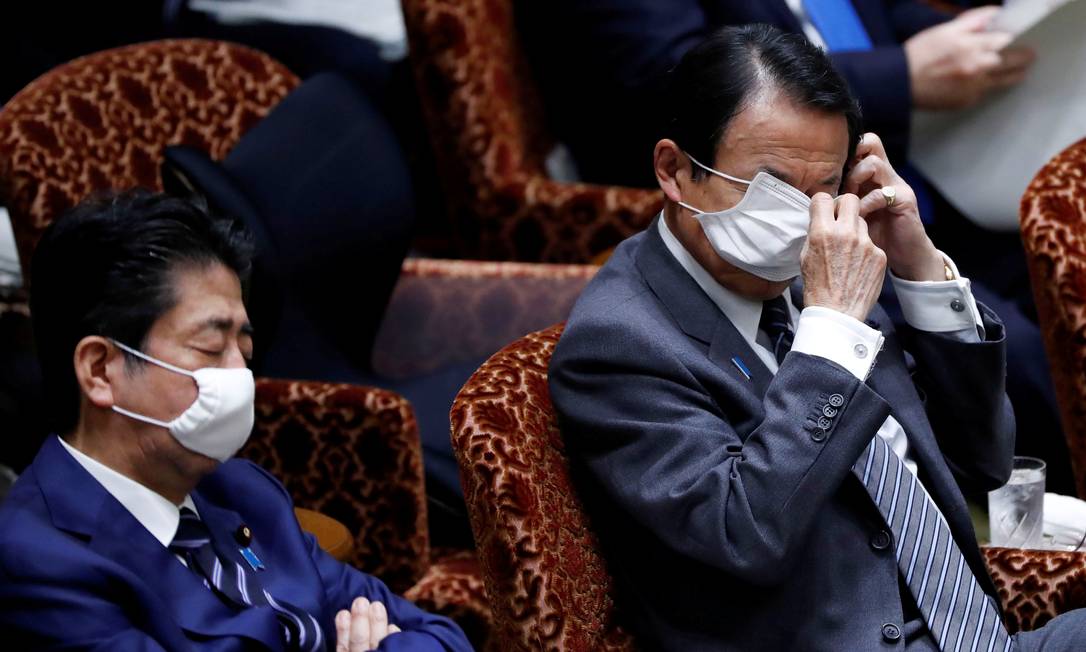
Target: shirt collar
743,313
159,516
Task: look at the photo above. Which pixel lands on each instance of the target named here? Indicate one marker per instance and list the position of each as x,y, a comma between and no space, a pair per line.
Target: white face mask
764,233
218,422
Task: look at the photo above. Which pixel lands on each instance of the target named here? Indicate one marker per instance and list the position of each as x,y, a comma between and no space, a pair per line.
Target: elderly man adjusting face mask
747,428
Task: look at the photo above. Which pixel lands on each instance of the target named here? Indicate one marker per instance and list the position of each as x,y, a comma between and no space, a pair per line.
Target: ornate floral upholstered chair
1053,222
101,121
482,110
548,585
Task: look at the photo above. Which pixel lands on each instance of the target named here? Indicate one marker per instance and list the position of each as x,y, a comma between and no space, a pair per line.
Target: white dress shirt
933,306
158,515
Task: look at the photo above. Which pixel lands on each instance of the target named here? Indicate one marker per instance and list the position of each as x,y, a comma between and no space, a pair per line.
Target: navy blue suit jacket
729,521
601,66
79,572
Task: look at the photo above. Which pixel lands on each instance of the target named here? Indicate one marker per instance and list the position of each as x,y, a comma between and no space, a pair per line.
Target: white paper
982,159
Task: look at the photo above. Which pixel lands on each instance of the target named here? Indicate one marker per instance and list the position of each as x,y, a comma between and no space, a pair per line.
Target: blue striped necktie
958,613
238,586
776,322
838,24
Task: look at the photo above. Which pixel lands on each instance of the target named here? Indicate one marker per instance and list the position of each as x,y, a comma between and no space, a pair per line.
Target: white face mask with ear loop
219,421
765,232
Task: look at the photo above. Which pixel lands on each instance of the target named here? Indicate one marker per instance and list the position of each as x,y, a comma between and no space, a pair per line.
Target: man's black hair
719,77
106,268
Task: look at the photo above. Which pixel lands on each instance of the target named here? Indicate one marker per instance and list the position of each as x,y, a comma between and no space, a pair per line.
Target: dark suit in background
602,78
729,523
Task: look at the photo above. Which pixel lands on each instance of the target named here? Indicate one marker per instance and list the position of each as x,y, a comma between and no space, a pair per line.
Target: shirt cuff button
860,350
957,305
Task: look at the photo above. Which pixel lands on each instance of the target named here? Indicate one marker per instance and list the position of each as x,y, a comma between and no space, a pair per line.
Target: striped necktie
959,614
238,586
776,322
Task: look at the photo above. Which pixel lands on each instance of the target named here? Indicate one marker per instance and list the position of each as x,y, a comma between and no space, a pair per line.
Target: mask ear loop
147,358
164,365
717,172
710,171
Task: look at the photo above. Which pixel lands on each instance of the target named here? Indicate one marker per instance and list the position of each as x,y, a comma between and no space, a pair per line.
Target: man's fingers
378,624
872,202
360,626
976,19
994,41
343,631
1017,58
821,212
847,209
1007,80
392,629
870,145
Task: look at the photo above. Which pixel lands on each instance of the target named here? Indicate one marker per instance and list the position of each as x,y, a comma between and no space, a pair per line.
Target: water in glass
1016,510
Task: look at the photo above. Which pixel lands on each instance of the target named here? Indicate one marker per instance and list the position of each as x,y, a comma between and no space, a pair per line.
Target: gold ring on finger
889,193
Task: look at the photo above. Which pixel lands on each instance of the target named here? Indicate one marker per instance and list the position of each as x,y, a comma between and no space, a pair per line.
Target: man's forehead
775,131
206,298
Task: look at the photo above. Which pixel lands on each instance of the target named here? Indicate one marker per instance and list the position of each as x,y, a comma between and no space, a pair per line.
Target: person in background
603,90
770,464
134,528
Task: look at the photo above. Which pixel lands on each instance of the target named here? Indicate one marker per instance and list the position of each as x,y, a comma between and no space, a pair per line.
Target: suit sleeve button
824,423
881,540
891,632
829,411
836,400
818,435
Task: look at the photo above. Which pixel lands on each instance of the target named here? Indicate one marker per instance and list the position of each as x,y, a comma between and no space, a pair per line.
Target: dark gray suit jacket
731,520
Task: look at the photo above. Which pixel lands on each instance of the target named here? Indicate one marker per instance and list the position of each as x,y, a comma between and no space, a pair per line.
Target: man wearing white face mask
134,529
767,468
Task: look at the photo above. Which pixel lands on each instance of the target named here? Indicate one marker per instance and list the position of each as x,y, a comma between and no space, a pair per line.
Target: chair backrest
1053,221
352,453
486,125
548,585
101,122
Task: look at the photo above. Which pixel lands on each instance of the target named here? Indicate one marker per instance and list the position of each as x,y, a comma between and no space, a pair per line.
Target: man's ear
671,167
96,363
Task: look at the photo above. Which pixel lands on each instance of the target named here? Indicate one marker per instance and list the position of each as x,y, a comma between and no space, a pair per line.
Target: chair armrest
351,453
447,311
1035,586
453,587
332,536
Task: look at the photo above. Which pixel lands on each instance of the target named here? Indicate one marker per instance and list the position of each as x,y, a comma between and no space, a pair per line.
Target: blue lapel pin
244,536
741,367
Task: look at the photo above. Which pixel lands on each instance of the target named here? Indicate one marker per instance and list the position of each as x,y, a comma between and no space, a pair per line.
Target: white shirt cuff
940,306
838,338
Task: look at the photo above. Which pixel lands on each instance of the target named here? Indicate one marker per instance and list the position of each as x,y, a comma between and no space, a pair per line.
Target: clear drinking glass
1016,510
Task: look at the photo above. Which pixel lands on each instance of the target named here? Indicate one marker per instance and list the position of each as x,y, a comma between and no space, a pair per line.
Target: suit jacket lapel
698,316
79,504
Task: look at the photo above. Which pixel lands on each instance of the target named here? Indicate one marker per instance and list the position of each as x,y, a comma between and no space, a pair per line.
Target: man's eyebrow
224,324
782,176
